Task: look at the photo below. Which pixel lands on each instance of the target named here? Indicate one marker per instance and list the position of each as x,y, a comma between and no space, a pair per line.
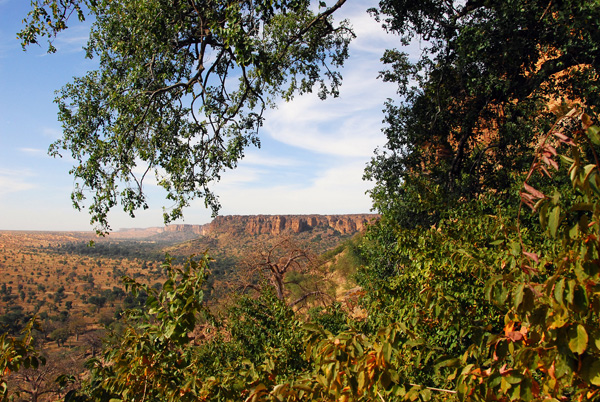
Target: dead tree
39,384
275,263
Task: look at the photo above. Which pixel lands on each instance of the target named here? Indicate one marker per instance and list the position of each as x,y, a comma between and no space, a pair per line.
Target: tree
38,384
93,341
77,326
474,284
492,76
181,89
60,335
277,263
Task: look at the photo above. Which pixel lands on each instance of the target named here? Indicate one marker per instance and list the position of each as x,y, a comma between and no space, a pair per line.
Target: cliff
257,225
280,224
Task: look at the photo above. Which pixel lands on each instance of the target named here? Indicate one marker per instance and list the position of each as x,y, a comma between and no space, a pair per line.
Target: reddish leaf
533,191
550,162
515,336
533,256
563,138
550,149
544,170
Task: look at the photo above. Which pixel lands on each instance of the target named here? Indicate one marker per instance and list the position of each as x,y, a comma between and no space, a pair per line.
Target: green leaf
515,248
578,339
559,289
594,373
593,134
518,295
554,220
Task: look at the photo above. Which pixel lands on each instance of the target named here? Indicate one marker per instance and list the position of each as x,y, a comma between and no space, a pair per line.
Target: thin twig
434,389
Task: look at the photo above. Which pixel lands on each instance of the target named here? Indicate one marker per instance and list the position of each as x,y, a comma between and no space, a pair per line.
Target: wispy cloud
262,159
351,124
348,126
13,181
370,39
34,151
73,39
240,178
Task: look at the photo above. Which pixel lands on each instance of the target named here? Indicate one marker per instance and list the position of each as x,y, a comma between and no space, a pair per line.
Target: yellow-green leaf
594,373
554,220
593,134
578,339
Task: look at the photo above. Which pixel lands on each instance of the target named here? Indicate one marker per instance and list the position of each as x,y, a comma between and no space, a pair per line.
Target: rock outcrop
279,224
200,230
259,224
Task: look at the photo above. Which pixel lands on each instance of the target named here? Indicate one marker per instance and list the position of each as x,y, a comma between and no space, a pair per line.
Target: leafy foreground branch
181,90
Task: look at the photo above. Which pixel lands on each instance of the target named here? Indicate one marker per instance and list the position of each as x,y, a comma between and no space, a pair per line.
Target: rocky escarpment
200,230
258,225
280,224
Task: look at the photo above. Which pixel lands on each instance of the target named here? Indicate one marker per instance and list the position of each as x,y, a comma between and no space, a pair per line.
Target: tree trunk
279,286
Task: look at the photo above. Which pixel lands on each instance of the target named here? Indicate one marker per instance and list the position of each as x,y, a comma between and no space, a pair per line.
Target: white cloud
261,159
34,151
347,126
336,190
371,38
13,181
351,124
238,178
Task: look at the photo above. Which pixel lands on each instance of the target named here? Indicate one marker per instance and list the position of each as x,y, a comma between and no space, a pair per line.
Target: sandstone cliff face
200,230
279,224
256,225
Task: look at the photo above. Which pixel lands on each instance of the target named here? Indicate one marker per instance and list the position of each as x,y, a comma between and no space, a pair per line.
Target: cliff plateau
272,225
281,224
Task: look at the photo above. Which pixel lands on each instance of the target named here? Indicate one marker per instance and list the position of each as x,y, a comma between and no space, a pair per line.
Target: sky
311,160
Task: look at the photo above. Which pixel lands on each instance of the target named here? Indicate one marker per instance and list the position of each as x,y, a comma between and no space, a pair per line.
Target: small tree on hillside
282,264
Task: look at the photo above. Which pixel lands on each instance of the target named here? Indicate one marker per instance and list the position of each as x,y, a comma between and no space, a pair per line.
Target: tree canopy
181,89
491,76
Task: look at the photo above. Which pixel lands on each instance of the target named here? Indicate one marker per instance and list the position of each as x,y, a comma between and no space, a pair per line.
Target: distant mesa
259,224
279,224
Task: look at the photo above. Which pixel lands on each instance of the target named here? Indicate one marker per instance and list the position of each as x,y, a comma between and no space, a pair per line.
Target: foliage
151,358
333,318
494,310
263,344
14,321
16,354
550,347
166,353
181,89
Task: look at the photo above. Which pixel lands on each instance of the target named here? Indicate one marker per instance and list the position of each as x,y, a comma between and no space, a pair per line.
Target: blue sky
311,161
